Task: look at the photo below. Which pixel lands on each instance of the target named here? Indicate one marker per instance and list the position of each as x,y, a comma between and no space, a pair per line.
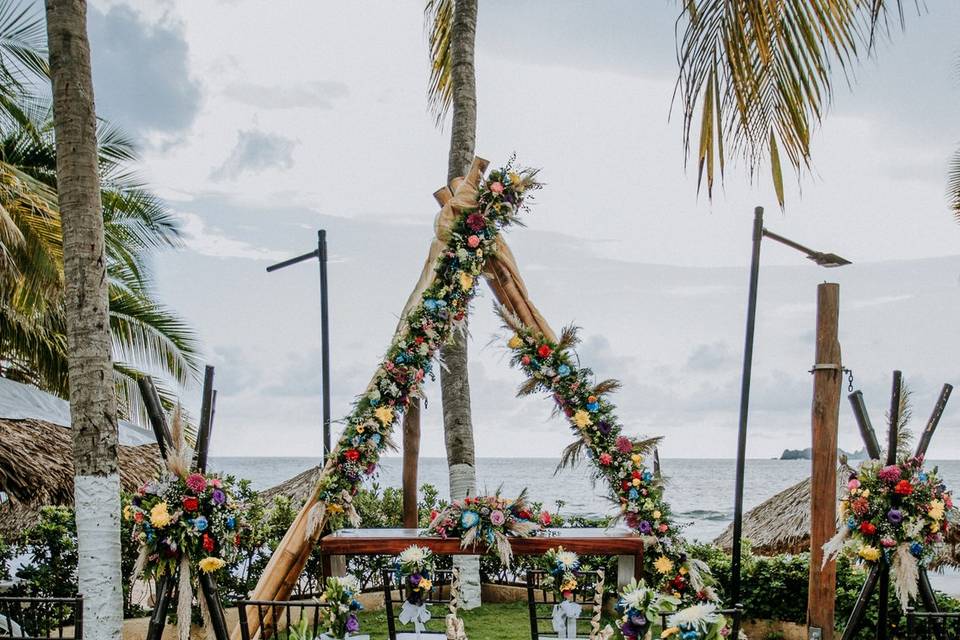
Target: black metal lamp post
321,254
824,260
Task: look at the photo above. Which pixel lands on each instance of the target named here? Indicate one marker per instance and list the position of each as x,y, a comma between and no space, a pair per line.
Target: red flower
525,360
208,544
418,339
545,518
605,458
544,351
868,528
625,485
526,515
352,455
860,506
624,444
663,527
433,514
903,488
476,222
190,503
678,583
636,474
138,517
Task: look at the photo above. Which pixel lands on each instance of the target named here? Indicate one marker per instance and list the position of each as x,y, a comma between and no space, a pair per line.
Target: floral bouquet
486,520
685,578
640,607
698,622
341,616
193,518
896,514
561,567
415,566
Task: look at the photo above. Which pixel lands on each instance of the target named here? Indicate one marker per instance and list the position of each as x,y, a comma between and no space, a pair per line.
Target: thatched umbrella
297,489
36,468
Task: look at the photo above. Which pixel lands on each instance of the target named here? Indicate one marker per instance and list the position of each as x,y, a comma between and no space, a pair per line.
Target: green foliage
51,545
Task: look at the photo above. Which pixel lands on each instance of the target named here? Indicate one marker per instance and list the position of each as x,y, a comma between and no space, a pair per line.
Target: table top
613,541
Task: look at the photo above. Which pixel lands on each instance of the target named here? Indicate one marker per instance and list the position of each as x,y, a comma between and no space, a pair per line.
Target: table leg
338,565
628,568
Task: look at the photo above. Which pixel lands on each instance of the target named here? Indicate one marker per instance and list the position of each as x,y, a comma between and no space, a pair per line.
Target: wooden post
411,456
827,379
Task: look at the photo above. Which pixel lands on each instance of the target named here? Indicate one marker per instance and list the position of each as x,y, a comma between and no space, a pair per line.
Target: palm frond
646,446
756,76
953,185
606,386
572,456
568,338
528,387
438,24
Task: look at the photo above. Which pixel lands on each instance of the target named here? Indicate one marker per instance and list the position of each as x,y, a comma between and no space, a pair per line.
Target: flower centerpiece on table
340,617
895,514
487,521
415,568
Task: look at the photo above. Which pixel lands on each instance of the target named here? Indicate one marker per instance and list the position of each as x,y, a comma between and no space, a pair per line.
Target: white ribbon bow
419,615
565,616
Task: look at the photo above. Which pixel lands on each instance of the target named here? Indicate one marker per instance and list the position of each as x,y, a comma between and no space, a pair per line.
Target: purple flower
895,516
415,579
645,527
353,625
604,427
219,497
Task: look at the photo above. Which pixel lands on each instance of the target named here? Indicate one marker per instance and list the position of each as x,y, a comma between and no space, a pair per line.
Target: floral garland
562,571
487,520
441,311
554,368
194,517
340,617
895,514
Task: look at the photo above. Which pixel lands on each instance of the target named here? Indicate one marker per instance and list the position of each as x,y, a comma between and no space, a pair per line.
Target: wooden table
623,543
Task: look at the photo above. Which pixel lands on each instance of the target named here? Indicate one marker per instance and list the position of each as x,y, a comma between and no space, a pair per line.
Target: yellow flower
871,554
636,482
663,565
582,419
515,342
516,181
384,415
466,281
683,571
936,509
360,428
934,527
669,632
656,515
159,516
425,584
865,493
333,507
210,563
637,459
569,585
128,512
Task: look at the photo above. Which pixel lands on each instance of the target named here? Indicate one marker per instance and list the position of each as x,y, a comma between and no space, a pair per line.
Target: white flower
635,599
349,583
413,554
568,559
698,616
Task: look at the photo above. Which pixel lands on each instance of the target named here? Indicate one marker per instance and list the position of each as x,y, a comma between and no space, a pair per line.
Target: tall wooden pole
411,455
827,379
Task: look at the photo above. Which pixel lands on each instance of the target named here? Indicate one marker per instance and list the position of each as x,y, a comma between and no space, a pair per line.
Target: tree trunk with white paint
454,380
92,403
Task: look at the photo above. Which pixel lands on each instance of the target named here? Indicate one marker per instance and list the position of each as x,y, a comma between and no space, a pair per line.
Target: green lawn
489,622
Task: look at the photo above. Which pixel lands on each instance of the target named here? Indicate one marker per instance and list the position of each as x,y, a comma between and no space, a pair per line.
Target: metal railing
276,615
922,625
27,618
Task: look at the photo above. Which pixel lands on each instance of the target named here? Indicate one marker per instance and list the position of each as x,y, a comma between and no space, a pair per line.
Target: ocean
700,491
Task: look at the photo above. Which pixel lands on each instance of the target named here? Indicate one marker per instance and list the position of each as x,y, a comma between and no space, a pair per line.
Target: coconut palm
453,27
86,313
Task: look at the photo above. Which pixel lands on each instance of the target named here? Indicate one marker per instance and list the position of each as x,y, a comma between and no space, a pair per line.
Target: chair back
922,625
279,615
40,618
542,598
395,594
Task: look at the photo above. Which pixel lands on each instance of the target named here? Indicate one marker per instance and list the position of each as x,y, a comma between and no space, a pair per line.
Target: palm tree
953,185
452,26
147,337
86,313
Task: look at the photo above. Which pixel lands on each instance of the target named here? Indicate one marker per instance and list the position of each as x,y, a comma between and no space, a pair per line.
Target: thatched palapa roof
297,489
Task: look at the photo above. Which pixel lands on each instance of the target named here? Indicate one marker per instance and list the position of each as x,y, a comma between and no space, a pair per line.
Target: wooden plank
822,586
411,458
611,542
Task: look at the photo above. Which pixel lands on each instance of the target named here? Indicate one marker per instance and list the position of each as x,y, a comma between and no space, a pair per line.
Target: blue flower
634,494
563,370
400,359
200,523
430,305
647,476
922,476
375,438
469,519
231,522
593,406
916,549
851,523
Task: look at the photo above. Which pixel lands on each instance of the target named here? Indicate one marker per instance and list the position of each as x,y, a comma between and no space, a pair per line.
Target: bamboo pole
822,585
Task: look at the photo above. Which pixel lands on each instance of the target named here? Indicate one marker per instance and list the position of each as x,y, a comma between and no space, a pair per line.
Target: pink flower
605,458
889,474
624,445
476,221
496,187
497,518
853,484
196,482
545,518
473,242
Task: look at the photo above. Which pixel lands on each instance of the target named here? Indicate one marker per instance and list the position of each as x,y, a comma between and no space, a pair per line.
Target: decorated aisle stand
167,583
878,580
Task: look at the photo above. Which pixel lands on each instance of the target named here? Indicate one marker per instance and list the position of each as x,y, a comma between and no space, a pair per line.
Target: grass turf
489,622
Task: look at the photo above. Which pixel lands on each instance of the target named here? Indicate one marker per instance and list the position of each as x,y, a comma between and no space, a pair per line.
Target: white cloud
211,242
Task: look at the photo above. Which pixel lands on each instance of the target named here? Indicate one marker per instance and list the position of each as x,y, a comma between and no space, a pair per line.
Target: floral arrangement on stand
554,368
561,569
896,514
192,519
470,236
640,607
340,617
415,568
698,622
487,521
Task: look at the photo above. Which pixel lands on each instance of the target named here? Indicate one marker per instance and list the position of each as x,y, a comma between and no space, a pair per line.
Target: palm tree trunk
454,379
92,403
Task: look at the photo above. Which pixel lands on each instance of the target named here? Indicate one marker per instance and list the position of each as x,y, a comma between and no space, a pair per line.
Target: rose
497,518
895,516
544,351
219,497
200,523
190,503
868,528
473,242
208,544
605,458
352,455
903,488
496,187
353,625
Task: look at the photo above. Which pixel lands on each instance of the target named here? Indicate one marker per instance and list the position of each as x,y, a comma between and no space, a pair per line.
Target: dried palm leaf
528,387
606,386
571,457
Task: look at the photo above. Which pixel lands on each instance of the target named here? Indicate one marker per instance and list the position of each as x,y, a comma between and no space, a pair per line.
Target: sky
261,122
